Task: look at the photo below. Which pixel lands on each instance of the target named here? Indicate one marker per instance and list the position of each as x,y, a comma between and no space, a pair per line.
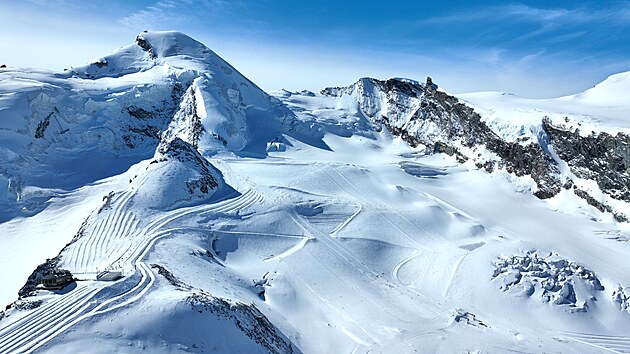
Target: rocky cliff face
422,115
602,158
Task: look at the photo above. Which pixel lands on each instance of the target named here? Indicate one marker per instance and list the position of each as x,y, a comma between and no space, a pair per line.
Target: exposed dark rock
107,202
101,63
146,130
171,278
183,151
26,305
187,118
142,43
600,157
79,233
598,205
442,123
430,84
138,112
196,128
247,318
468,318
204,184
42,126
36,277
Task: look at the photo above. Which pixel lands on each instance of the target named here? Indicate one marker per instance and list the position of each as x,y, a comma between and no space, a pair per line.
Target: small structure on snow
109,275
57,279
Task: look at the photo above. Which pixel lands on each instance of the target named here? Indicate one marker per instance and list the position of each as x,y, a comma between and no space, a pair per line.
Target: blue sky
532,49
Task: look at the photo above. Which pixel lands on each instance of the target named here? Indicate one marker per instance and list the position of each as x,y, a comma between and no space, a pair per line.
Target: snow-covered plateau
198,213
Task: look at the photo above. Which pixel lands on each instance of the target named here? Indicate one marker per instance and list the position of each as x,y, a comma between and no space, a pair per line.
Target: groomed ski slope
96,298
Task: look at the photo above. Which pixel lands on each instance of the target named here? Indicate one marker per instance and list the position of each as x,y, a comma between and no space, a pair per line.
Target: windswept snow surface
254,223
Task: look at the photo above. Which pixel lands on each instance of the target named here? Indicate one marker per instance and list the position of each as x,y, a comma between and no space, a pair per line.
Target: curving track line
347,221
396,269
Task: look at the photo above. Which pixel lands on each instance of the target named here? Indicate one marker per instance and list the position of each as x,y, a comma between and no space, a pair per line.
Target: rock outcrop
602,157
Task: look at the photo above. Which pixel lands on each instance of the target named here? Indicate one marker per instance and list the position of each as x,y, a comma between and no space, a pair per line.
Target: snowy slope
244,222
601,108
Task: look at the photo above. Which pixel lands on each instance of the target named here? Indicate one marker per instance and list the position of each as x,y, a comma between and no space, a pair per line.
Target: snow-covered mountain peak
368,86
170,43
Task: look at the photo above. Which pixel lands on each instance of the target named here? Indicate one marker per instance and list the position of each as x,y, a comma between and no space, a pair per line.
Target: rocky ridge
423,115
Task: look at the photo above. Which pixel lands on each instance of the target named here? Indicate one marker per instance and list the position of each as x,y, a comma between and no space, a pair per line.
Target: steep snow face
396,100
221,98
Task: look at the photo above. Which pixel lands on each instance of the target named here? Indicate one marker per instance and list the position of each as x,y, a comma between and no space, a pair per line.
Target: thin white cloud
172,13
162,13
618,13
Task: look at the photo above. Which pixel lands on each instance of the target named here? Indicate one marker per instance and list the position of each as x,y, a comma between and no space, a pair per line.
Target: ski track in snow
343,253
118,224
58,315
347,221
396,269
28,331
613,344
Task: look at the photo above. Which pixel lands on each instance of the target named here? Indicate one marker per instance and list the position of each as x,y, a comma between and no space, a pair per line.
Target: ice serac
421,114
